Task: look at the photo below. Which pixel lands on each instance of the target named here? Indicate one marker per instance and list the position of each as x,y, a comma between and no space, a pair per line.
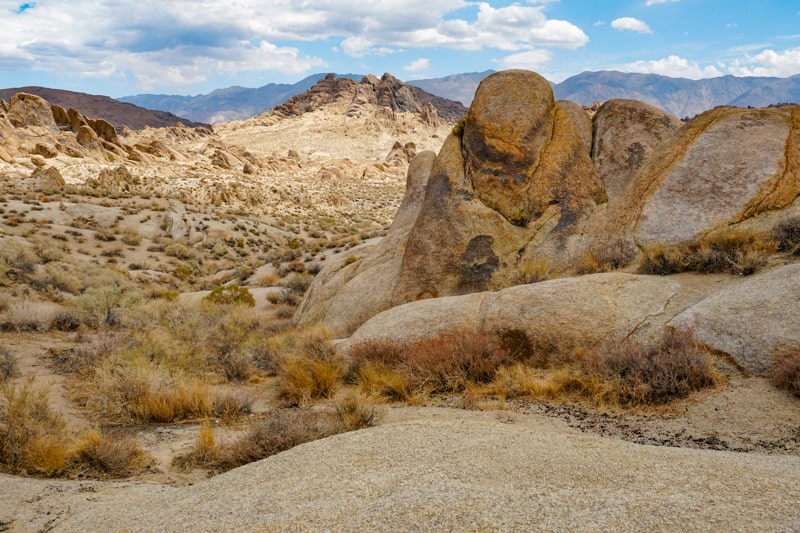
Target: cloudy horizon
121,47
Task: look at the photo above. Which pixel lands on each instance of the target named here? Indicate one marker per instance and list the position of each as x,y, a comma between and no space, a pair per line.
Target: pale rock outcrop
725,167
45,150
562,313
118,179
47,178
344,295
27,110
625,133
753,321
86,136
104,130
401,154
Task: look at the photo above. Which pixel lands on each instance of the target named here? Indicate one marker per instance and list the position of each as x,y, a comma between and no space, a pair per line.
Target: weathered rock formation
386,93
625,133
727,167
512,185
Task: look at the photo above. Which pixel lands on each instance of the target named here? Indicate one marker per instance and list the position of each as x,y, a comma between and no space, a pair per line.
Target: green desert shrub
231,295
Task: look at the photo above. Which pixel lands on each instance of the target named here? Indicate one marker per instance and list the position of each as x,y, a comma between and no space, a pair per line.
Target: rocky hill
458,87
113,111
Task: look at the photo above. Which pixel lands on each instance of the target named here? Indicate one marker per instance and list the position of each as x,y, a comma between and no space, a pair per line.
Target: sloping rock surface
724,167
610,306
752,321
344,296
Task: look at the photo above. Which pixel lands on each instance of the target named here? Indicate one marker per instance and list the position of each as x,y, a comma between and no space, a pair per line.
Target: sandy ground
435,469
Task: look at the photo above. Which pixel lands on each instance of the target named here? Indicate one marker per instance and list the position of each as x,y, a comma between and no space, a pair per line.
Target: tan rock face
609,306
727,168
582,120
47,178
753,322
625,133
513,190
29,110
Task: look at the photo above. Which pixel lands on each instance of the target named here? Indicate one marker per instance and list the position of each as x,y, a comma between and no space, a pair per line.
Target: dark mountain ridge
97,106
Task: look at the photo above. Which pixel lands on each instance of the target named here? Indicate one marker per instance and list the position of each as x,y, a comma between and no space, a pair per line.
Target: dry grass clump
310,368
142,393
607,258
786,373
355,410
787,235
7,364
32,437
282,430
734,252
98,454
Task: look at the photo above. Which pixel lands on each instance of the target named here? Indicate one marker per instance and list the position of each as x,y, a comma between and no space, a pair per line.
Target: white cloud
767,63
183,41
531,60
654,2
418,65
674,66
632,24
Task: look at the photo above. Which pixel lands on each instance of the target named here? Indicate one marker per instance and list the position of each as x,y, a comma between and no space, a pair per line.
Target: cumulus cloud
674,66
189,40
531,60
419,65
632,24
767,63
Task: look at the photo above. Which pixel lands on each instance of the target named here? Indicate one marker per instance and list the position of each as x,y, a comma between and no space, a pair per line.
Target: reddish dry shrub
652,374
442,364
786,373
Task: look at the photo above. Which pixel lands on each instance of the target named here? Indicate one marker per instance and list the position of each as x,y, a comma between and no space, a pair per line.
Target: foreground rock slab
443,470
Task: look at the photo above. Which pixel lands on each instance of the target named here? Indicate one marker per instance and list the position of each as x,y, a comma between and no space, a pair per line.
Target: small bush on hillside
734,252
15,255
786,373
231,295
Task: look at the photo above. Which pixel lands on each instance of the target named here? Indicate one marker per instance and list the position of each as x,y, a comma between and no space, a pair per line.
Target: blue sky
124,47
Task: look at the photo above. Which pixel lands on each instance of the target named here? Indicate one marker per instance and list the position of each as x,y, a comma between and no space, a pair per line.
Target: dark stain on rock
478,263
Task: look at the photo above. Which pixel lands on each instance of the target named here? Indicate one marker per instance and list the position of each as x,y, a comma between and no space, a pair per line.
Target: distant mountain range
680,96
95,106
233,103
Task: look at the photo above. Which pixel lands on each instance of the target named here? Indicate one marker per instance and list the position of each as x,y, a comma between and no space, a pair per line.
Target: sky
125,47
